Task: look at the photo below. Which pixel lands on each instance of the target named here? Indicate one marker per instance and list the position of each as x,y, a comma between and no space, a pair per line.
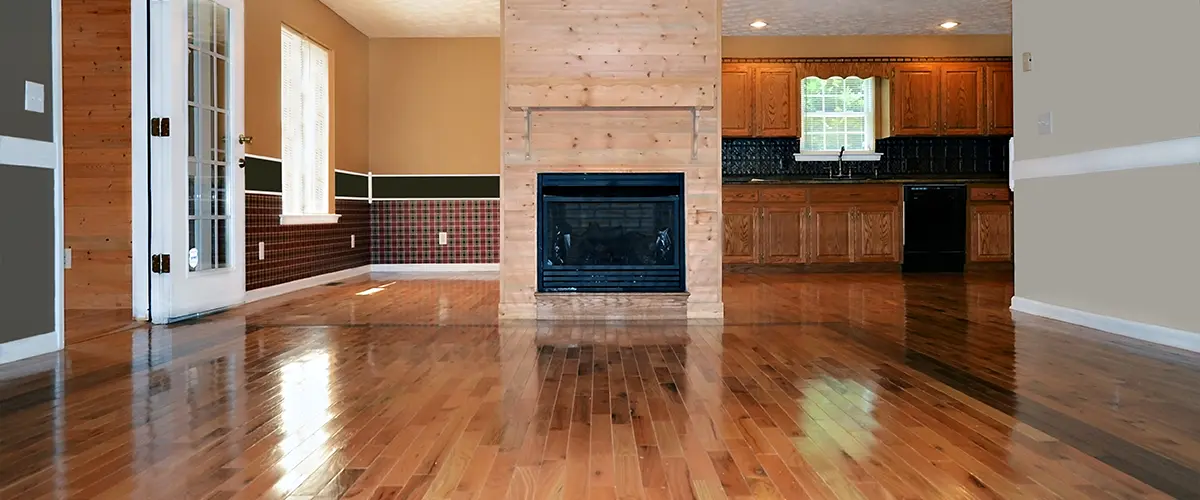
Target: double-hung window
305,119
835,113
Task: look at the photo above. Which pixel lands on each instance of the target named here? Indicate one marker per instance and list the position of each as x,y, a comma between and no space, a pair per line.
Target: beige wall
348,50
1119,244
434,105
867,46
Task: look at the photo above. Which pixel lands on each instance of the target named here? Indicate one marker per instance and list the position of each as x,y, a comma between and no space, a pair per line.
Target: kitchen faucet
840,153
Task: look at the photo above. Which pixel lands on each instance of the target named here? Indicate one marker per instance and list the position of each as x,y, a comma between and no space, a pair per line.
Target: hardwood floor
815,386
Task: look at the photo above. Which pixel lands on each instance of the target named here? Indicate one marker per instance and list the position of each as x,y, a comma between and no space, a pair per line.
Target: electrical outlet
35,97
443,238
67,258
1046,123
352,241
262,250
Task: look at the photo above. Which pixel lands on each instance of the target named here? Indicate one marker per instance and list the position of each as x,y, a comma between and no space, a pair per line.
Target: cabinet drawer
989,193
798,195
739,194
853,194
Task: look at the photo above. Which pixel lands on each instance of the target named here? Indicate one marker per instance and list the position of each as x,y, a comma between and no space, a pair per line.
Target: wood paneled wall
592,54
97,175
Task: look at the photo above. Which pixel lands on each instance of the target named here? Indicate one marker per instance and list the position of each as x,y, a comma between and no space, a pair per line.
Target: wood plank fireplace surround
611,87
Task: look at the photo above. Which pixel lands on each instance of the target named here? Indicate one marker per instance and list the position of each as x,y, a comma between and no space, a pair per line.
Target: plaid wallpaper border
406,231
302,251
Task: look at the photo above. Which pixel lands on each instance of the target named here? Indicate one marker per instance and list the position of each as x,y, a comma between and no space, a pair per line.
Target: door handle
245,139
241,163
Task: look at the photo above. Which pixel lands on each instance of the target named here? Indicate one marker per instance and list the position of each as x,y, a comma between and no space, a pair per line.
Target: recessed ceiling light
950,25
758,24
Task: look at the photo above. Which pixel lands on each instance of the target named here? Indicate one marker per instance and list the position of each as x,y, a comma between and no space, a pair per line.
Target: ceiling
467,18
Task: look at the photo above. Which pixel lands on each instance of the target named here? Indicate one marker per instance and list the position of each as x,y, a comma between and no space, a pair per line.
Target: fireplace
610,233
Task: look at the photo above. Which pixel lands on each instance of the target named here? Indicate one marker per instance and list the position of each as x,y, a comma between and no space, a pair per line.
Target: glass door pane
209,224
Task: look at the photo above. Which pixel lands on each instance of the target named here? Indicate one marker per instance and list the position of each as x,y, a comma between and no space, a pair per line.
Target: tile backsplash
921,156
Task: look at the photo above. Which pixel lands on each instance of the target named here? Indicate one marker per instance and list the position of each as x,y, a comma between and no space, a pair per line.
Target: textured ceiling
456,18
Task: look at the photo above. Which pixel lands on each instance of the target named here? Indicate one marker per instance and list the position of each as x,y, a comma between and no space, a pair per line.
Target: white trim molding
360,174
28,152
432,199
300,284
833,156
1150,155
300,219
268,193
435,175
29,347
434,268
1142,331
355,198
261,157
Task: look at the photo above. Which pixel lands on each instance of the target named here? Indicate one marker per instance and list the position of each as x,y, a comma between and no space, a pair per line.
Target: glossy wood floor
815,386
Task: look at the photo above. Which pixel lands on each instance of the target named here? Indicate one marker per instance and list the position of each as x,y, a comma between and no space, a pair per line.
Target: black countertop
776,180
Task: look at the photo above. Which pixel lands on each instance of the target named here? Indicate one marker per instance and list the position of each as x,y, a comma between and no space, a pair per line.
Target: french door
197,196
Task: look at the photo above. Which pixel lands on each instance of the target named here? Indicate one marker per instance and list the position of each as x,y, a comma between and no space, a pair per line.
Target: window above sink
837,113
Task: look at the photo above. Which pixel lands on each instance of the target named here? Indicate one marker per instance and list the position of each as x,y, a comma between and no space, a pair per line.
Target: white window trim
849,155
323,213
298,219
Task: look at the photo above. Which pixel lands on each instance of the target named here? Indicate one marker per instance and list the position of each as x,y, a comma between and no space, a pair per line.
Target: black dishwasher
935,228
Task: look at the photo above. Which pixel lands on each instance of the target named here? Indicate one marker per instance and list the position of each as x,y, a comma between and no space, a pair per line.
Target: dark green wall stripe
264,175
349,185
483,186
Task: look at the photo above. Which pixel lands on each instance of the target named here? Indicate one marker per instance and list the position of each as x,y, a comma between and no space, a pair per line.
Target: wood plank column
610,86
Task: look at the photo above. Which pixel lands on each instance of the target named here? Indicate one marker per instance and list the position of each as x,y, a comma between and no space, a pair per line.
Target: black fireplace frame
616,278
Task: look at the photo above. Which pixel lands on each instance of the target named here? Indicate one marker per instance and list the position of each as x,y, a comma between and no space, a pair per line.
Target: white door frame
143,292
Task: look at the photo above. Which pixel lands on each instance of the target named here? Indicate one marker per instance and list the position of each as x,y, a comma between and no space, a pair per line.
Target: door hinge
160,127
160,263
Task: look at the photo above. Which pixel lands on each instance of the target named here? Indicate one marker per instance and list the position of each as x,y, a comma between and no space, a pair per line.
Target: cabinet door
877,233
962,99
775,106
1000,99
784,234
831,235
915,100
990,232
737,100
741,241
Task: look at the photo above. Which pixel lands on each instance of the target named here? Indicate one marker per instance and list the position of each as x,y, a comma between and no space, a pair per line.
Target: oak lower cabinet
783,226
990,224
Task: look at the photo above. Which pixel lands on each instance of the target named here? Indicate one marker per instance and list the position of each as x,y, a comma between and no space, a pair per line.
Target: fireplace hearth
604,233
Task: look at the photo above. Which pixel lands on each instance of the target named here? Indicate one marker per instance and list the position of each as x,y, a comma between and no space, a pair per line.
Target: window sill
833,156
301,219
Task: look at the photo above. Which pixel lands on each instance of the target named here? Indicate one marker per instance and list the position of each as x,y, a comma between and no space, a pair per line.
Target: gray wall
26,38
26,252
27,203
1120,244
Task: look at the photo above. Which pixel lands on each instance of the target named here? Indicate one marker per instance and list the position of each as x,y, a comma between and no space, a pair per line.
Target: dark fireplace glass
610,233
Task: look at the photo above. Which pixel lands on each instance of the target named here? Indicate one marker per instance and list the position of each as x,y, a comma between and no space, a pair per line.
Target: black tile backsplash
918,156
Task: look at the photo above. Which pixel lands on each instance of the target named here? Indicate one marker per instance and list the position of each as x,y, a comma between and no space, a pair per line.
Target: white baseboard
29,347
292,286
434,268
1143,331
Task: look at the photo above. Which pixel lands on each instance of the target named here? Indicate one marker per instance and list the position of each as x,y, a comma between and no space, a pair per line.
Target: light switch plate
67,258
1027,62
35,97
443,238
1046,123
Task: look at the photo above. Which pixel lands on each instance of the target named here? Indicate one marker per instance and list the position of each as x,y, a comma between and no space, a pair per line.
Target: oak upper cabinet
775,106
784,229
877,233
915,99
741,243
999,99
737,100
962,103
990,225
759,100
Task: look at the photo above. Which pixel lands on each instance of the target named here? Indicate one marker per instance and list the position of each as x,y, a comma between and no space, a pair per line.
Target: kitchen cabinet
947,99
999,84
819,225
759,100
990,225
